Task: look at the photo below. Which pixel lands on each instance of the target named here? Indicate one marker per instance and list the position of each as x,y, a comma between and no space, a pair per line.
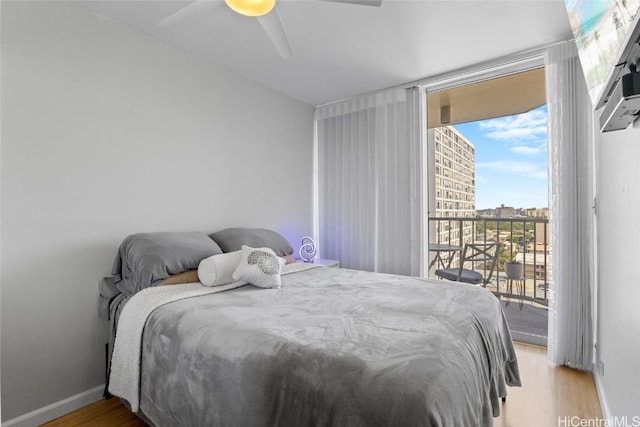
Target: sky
511,159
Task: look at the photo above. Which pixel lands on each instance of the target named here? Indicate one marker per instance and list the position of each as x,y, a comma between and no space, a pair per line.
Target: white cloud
523,149
529,126
527,169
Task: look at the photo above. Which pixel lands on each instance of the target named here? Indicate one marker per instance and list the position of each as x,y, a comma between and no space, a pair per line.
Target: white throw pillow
217,270
260,267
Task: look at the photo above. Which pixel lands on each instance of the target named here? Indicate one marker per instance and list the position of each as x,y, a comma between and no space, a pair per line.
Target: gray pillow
146,259
232,239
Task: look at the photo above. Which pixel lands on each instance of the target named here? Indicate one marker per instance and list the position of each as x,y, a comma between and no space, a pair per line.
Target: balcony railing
522,239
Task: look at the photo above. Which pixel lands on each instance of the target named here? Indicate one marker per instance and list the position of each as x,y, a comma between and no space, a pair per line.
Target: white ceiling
341,49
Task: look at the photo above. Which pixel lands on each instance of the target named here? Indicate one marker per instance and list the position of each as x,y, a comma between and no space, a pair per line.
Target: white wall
618,328
106,132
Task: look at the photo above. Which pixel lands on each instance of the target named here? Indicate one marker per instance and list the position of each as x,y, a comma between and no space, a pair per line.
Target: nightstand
328,262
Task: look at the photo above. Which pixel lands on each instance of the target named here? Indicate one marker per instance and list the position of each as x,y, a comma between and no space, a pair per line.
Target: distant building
538,212
541,233
535,265
505,211
486,213
455,184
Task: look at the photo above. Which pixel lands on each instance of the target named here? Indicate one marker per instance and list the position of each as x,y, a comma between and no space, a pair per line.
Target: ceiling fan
265,11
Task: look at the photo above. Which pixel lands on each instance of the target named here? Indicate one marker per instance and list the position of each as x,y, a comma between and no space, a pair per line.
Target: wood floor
548,392
103,413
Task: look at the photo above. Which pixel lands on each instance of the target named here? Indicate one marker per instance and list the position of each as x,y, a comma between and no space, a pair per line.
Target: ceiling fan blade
272,25
195,8
375,3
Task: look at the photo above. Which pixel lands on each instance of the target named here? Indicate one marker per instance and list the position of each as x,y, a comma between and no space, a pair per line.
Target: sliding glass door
487,182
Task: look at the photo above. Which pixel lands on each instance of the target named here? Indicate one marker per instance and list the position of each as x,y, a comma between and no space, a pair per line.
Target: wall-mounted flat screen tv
600,29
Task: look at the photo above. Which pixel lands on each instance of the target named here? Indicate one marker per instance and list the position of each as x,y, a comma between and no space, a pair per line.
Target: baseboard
604,404
57,409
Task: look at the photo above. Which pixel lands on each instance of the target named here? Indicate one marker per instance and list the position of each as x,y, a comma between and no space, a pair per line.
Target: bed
329,346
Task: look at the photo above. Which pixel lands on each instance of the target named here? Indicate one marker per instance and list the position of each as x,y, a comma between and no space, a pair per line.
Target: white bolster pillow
217,270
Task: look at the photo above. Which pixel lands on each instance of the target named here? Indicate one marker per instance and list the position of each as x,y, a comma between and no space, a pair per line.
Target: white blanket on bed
124,378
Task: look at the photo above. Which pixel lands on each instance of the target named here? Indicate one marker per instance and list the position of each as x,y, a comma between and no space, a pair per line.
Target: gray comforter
332,347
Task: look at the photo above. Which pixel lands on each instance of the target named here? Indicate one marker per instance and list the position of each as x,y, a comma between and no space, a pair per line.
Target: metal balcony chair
473,254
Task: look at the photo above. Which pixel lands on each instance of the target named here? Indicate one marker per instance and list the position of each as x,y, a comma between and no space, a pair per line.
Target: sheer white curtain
570,125
368,185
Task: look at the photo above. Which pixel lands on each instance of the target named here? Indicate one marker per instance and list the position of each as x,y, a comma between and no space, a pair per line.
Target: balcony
522,239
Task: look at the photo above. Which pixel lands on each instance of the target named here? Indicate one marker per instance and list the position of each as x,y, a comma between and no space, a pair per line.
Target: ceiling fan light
251,7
